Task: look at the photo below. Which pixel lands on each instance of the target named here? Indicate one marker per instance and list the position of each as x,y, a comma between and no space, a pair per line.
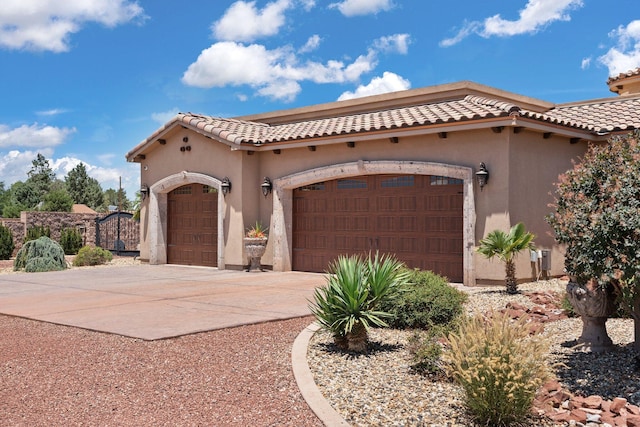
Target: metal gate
119,233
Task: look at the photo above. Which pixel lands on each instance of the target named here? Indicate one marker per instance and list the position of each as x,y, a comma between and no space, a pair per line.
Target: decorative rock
579,415
633,420
617,404
593,418
593,402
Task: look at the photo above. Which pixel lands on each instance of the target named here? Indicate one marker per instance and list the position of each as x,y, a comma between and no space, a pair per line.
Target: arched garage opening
186,216
368,205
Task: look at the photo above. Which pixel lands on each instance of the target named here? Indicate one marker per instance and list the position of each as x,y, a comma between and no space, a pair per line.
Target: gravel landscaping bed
379,389
52,375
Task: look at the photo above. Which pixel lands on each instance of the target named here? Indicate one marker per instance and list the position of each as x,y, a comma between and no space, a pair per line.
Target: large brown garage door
416,217
192,226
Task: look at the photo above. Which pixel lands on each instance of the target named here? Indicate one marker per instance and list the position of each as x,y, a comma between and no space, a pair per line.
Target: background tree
41,176
57,200
597,216
84,189
5,197
24,195
114,198
506,246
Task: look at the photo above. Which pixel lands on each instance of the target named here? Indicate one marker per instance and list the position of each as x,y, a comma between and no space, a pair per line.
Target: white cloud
536,15
308,4
244,22
362,7
47,25
164,116
397,43
274,73
52,112
33,136
586,63
625,56
312,44
15,164
389,82
106,158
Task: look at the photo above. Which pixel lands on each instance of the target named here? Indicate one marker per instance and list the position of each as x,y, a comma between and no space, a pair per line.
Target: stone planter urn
594,305
255,248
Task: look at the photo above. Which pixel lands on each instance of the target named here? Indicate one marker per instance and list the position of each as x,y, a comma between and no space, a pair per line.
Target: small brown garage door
416,217
192,226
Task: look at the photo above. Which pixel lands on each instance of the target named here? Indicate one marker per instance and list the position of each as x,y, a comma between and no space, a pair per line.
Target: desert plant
347,306
506,246
6,242
499,365
426,300
257,231
42,254
425,347
596,217
37,231
92,255
70,240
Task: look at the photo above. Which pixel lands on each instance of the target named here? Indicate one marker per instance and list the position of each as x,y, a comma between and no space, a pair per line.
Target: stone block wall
57,221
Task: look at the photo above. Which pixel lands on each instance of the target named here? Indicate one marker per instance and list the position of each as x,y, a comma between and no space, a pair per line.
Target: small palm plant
506,246
348,305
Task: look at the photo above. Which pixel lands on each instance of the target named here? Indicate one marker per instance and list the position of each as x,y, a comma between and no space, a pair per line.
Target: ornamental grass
499,365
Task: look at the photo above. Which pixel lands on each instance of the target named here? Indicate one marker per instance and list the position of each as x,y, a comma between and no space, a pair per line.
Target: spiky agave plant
348,305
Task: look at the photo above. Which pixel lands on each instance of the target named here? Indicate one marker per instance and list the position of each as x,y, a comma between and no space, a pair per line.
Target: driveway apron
157,301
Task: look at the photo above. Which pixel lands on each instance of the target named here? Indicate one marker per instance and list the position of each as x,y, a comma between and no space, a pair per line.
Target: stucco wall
522,166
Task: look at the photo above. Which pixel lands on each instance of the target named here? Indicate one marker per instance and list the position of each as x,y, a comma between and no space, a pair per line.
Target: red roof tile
606,115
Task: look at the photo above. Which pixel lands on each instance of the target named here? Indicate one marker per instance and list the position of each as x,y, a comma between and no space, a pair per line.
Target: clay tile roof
620,76
232,130
596,116
607,115
468,108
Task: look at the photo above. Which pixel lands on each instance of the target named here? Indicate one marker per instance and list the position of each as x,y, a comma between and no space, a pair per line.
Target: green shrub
426,350
348,305
426,300
6,242
92,255
42,254
499,365
36,232
70,240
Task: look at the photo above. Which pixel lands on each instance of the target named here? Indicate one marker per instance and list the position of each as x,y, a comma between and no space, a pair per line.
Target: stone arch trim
158,213
282,223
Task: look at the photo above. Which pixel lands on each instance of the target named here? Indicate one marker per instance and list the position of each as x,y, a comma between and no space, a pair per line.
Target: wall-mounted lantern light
266,186
225,186
482,176
144,191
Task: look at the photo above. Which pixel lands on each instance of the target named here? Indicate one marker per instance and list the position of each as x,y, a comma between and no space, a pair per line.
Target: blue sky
87,80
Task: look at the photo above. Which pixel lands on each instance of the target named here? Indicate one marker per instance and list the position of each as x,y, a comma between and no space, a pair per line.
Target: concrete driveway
156,301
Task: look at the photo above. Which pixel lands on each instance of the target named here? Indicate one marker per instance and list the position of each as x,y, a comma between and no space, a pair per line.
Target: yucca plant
506,246
348,305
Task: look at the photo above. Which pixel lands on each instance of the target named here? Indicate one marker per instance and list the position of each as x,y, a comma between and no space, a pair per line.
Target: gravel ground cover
379,389
52,375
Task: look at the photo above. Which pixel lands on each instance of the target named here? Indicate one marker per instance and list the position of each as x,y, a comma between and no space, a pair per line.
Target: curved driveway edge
308,388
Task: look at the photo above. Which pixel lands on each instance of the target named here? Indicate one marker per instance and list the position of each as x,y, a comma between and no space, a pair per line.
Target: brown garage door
192,225
416,217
